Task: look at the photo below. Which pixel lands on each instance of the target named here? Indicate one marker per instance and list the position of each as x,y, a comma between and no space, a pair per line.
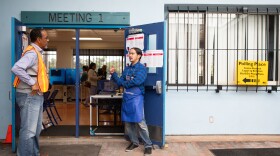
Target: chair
51,104
45,108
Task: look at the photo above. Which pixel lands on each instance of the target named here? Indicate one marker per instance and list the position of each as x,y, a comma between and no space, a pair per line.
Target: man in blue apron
132,80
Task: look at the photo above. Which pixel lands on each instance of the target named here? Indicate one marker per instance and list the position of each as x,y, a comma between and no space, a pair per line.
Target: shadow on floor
70,130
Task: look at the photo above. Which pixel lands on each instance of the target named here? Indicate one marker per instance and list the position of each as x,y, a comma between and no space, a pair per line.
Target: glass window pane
49,58
102,57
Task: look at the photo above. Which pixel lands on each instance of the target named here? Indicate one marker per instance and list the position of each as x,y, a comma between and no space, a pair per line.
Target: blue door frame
154,103
16,53
16,45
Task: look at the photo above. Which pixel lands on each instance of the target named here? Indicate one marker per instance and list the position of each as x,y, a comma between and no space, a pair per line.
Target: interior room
100,46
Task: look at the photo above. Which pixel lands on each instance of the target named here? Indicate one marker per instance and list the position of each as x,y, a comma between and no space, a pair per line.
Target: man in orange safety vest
31,82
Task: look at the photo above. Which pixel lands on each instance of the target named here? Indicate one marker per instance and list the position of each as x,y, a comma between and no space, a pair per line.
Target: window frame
226,10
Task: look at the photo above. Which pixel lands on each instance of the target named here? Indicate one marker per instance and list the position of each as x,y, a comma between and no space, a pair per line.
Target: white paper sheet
136,40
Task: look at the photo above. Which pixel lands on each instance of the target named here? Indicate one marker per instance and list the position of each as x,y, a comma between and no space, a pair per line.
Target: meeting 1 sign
252,72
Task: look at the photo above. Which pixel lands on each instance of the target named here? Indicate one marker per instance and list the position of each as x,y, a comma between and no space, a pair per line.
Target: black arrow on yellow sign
245,80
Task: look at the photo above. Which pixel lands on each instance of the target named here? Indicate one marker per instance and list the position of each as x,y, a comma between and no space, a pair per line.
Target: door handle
157,87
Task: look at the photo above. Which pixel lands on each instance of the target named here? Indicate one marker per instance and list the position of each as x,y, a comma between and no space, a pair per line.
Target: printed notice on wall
24,41
153,58
157,58
136,40
252,72
150,58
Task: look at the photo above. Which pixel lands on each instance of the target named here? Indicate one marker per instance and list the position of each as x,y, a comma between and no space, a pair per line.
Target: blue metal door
154,101
16,48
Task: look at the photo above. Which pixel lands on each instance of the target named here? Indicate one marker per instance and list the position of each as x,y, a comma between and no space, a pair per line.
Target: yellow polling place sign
251,72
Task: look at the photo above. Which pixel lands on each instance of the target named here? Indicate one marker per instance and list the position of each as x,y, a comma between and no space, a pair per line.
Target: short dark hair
35,33
91,65
85,67
138,51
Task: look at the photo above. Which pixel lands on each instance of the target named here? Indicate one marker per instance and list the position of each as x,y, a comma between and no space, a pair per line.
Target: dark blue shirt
132,76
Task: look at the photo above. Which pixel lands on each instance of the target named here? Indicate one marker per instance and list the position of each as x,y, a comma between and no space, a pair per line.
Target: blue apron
132,105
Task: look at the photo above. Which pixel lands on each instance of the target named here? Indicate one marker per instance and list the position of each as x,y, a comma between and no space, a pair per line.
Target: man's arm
118,80
139,77
19,69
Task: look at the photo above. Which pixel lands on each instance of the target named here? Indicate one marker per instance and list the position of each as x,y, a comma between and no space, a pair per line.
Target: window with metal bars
205,43
109,57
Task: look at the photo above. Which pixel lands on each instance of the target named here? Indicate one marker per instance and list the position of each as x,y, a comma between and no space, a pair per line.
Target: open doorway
99,46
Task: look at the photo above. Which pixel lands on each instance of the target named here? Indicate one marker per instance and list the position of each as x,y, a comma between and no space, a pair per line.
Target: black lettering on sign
59,17
72,16
88,17
77,18
100,18
65,17
82,17
52,17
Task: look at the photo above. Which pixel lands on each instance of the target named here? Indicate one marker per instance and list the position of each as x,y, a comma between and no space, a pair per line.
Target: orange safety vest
42,77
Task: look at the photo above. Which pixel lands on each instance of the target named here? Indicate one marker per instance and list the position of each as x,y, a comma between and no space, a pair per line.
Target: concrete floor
175,145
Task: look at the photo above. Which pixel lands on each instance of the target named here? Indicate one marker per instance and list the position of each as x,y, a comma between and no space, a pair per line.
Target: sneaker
148,151
131,147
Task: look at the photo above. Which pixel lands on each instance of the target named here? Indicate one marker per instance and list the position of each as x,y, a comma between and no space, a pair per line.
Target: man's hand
112,70
35,88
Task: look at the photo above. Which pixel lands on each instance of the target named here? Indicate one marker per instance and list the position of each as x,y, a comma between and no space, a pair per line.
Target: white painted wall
257,113
232,112
64,56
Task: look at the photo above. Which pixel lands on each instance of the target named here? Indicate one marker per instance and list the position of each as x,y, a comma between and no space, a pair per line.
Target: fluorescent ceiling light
88,38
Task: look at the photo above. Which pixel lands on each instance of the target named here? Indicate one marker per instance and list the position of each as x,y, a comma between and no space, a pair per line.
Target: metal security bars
206,42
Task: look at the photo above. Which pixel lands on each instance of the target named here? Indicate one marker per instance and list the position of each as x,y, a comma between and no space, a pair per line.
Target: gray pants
133,129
